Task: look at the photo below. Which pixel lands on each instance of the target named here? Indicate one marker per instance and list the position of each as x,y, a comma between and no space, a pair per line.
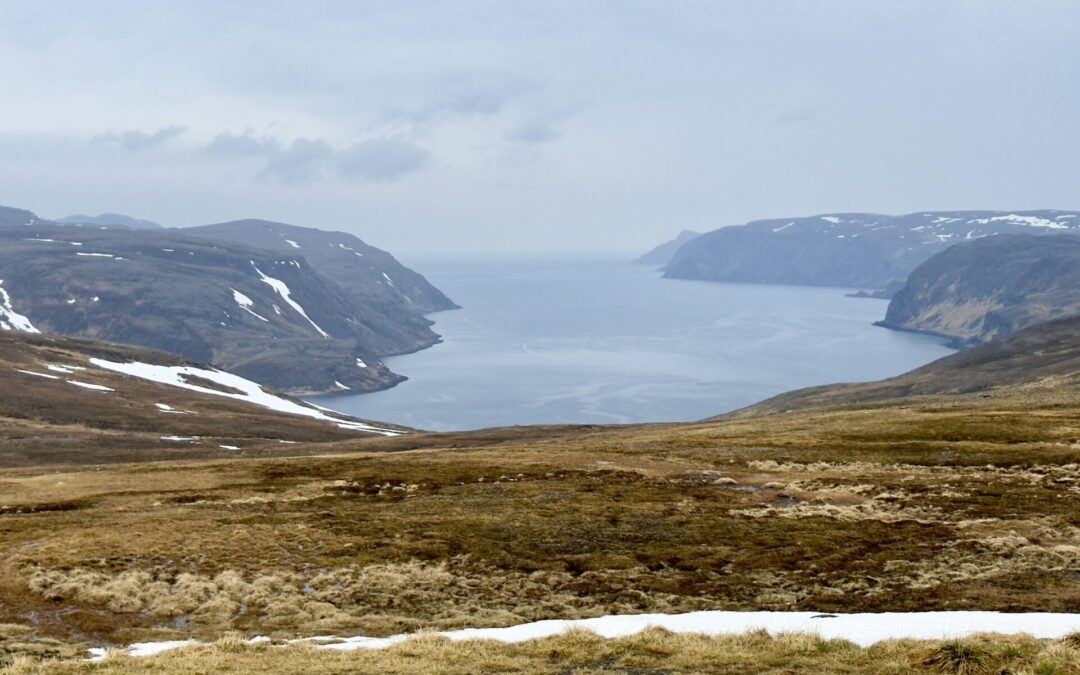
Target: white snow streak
292,243
45,375
9,318
87,385
282,289
246,390
246,304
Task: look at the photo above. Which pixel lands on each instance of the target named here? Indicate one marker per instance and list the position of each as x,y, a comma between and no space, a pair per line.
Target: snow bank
862,629
247,390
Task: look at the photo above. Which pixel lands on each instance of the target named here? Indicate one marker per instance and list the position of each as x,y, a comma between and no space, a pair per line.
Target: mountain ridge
854,250
266,315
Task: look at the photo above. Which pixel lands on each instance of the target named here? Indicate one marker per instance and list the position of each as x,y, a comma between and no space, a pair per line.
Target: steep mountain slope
989,288
1032,363
847,249
110,220
70,401
265,316
663,253
370,275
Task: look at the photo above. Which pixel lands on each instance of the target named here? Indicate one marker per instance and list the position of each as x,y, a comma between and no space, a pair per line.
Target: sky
454,129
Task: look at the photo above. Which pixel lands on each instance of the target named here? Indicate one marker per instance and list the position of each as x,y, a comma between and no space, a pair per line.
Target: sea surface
588,341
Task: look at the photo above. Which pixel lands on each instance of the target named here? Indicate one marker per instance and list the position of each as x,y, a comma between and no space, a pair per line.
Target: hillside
1035,362
940,502
990,288
77,401
370,275
663,253
863,250
263,315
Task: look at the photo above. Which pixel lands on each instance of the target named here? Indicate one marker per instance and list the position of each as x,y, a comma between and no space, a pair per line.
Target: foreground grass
580,652
932,505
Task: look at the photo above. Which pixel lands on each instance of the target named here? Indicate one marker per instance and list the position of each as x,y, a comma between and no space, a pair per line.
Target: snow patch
388,279
67,370
45,375
250,392
340,385
292,243
360,363
180,439
1032,221
229,447
9,318
95,255
783,227
282,289
831,219
92,387
245,303
862,629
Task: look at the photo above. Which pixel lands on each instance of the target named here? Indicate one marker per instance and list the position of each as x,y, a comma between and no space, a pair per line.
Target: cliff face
990,288
865,250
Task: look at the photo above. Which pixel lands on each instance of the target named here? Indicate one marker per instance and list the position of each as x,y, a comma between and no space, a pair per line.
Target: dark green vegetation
865,250
224,302
990,288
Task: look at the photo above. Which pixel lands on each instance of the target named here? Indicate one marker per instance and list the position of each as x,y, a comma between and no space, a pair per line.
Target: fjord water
545,342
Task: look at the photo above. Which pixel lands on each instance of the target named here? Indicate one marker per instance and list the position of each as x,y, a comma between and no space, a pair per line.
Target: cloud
228,144
380,160
303,162
466,95
306,160
135,140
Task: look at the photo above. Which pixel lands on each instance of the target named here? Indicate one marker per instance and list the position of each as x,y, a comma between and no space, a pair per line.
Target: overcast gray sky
446,127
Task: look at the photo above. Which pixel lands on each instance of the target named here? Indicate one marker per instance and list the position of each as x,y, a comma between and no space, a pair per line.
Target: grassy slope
1037,362
965,501
53,422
